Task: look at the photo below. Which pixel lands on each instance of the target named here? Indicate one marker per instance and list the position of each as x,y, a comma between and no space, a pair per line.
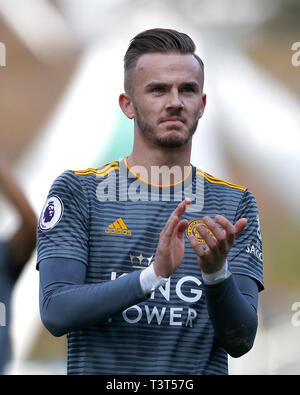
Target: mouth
173,120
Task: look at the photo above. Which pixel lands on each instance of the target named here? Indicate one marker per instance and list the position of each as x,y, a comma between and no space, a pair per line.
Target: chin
171,144
174,137
172,141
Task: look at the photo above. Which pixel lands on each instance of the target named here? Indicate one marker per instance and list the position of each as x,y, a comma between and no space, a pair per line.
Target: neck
146,161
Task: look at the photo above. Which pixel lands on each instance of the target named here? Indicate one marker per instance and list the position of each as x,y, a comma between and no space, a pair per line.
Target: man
14,253
195,299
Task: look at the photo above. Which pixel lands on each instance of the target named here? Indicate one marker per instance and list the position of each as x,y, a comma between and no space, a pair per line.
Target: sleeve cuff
217,277
150,281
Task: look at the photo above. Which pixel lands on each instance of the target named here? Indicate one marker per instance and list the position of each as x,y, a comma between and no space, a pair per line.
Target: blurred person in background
193,303
14,252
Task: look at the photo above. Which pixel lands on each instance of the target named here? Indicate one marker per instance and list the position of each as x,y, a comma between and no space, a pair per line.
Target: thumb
181,227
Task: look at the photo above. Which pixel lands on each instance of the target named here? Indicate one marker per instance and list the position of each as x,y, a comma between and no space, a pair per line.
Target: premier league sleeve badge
51,213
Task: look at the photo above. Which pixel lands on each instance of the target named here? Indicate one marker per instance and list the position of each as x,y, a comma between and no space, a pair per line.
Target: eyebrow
154,84
192,84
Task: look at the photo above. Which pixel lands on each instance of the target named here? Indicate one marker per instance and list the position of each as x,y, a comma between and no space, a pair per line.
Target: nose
174,100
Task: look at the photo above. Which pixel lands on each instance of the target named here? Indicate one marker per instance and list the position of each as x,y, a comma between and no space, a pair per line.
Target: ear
202,108
126,105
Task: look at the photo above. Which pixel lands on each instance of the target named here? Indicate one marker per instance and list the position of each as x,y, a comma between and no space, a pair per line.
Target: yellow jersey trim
215,180
102,171
156,185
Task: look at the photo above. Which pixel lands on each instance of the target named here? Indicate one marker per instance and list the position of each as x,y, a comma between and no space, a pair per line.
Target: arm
231,302
232,307
23,242
233,317
67,304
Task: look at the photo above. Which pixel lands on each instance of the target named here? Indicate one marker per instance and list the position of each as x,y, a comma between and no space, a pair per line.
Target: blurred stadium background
59,110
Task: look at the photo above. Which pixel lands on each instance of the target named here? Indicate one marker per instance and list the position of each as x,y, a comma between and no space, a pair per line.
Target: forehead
171,67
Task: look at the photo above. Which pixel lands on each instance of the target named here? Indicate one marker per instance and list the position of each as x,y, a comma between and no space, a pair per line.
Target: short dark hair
157,40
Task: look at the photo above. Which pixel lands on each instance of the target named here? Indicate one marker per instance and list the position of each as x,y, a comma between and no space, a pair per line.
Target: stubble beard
170,141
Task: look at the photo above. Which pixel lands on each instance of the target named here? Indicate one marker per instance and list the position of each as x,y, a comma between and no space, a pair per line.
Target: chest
123,236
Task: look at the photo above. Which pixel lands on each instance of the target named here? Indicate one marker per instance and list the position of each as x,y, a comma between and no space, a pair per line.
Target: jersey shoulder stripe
101,171
215,180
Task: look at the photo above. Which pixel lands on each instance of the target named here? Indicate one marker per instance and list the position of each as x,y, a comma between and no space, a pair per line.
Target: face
167,100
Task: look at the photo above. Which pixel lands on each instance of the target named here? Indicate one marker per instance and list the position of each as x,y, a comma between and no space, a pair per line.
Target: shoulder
218,183
78,180
228,197
100,171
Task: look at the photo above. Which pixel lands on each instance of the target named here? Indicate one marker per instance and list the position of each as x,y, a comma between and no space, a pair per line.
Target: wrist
220,275
158,272
150,280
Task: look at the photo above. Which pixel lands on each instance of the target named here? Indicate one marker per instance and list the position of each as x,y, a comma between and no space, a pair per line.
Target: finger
228,227
181,227
240,225
180,209
171,223
196,246
210,240
170,226
219,234
183,224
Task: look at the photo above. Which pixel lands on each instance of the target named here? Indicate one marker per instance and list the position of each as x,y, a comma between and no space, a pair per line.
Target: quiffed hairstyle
156,40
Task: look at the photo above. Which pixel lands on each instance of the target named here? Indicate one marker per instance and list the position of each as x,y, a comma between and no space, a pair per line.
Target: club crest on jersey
52,213
192,231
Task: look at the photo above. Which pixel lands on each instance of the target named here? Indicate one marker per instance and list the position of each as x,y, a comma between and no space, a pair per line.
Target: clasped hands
170,249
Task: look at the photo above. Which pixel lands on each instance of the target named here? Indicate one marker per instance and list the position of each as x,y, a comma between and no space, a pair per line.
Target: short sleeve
63,224
246,255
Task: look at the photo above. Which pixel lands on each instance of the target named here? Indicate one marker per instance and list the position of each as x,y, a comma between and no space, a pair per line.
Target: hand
170,249
219,244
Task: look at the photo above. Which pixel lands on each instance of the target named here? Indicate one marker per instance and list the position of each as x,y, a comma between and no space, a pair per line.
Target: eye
158,89
188,89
